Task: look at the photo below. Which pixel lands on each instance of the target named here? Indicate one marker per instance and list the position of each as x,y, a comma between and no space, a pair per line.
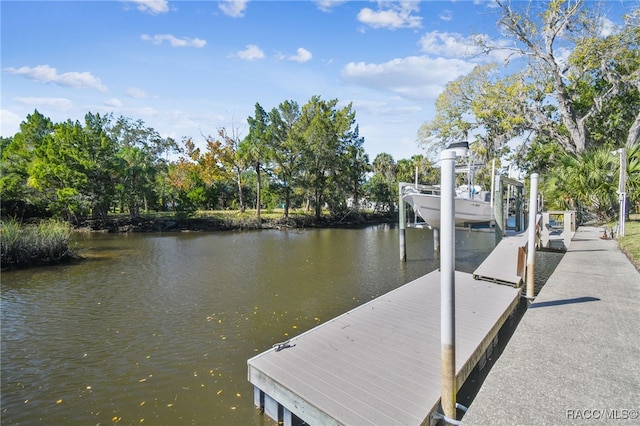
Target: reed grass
44,242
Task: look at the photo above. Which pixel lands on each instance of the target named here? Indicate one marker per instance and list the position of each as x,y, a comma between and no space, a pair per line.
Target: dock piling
447,284
402,225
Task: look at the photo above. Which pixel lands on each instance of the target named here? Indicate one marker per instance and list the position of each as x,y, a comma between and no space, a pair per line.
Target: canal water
157,328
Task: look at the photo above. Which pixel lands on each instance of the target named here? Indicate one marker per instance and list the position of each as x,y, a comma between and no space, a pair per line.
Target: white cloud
328,5
174,41
113,102
47,74
455,45
302,55
152,7
607,27
233,8
384,108
414,77
56,103
147,112
9,123
446,15
251,52
134,92
561,56
396,15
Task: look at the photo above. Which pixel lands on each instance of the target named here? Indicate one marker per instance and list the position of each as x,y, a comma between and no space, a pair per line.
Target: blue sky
187,68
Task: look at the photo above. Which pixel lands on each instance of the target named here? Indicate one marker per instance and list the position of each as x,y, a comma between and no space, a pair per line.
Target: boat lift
510,191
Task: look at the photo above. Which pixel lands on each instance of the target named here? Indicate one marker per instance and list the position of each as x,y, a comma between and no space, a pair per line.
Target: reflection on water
158,328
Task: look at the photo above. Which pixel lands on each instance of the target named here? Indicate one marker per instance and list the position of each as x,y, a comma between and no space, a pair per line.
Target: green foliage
586,182
16,196
293,157
382,186
286,147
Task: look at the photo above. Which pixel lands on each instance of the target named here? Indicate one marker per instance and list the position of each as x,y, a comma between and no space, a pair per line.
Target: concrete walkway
575,356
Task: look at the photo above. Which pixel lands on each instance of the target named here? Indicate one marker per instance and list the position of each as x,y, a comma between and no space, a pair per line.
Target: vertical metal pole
436,240
622,190
402,224
498,210
493,180
531,247
447,284
519,215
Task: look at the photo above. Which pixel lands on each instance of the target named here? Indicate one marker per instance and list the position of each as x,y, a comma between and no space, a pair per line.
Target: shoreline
120,225
213,224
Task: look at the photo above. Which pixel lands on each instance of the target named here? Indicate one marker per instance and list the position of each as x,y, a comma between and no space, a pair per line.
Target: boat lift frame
500,185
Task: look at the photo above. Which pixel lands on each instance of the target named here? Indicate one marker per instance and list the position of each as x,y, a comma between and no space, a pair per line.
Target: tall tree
286,147
58,171
100,162
355,166
74,168
141,150
610,63
255,148
382,184
324,129
17,197
579,86
231,158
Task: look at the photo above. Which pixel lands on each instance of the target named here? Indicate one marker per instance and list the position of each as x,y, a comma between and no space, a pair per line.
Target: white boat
472,204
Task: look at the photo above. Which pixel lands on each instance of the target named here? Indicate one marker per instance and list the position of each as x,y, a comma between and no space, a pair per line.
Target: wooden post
447,284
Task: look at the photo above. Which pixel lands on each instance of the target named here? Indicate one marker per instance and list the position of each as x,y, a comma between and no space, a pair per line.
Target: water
157,329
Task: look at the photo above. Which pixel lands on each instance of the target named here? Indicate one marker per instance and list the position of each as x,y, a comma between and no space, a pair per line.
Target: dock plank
380,363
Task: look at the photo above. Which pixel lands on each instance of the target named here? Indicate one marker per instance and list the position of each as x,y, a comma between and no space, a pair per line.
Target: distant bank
231,221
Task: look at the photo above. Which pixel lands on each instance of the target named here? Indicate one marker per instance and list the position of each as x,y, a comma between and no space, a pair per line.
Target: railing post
622,191
447,284
567,229
519,215
531,247
498,209
402,225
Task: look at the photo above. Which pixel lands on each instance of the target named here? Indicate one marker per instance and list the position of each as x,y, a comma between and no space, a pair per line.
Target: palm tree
585,182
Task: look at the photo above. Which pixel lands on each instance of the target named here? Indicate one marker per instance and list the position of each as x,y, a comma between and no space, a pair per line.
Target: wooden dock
380,363
506,263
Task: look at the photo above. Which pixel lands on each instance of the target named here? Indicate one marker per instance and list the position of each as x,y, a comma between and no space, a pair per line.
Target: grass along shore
46,242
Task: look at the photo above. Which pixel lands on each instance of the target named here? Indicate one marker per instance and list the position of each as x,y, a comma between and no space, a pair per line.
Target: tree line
293,156
567,114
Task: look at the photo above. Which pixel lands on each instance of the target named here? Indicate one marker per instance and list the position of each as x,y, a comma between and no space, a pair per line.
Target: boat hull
467,211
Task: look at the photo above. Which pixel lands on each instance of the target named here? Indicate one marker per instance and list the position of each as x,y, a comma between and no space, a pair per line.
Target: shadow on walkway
564,302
